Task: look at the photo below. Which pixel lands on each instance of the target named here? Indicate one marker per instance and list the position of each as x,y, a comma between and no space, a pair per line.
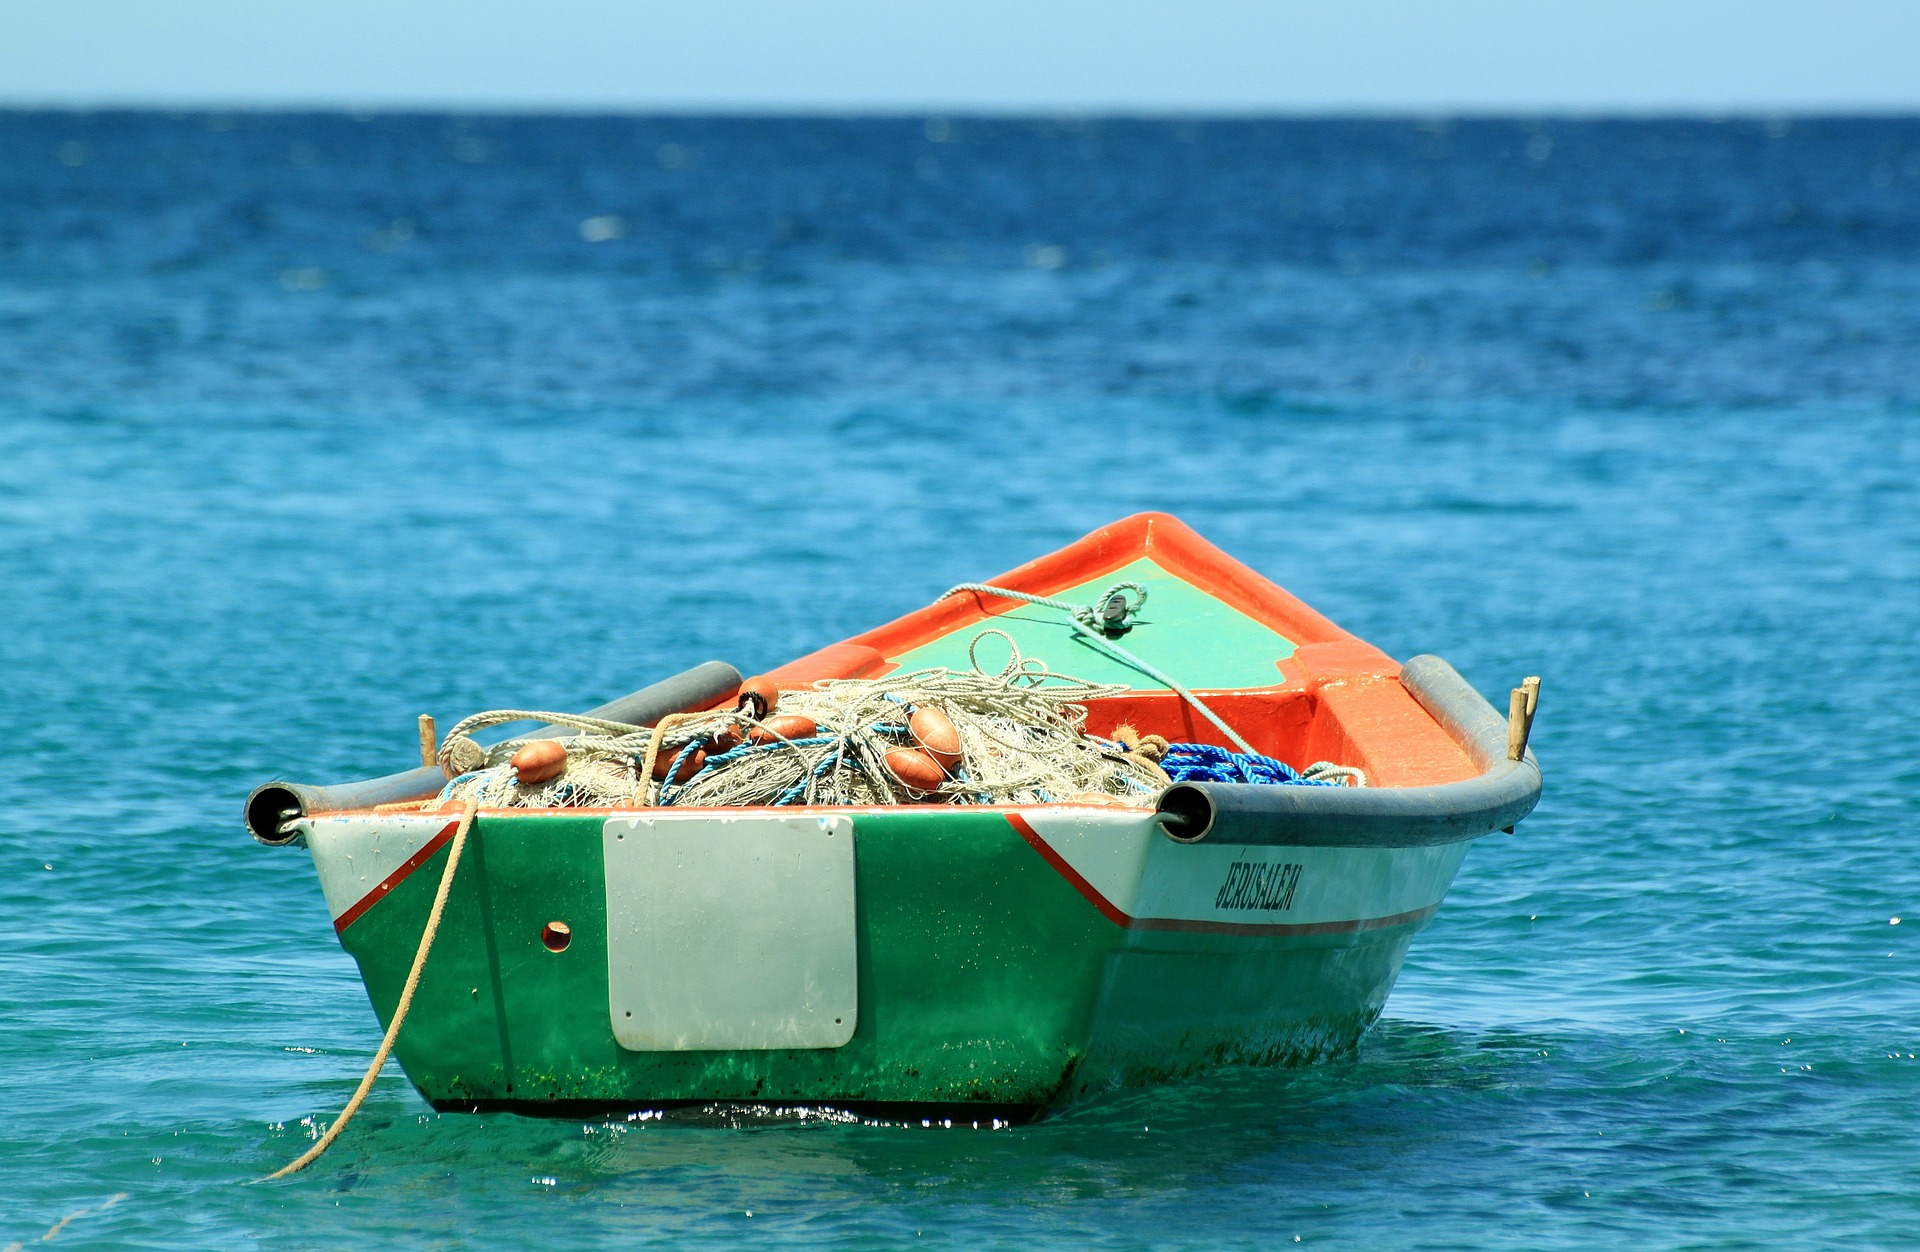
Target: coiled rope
599,760
459,754
458,843
1092,622
1204,762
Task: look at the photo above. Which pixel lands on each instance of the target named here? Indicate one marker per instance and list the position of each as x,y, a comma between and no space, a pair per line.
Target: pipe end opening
1186,813
268,808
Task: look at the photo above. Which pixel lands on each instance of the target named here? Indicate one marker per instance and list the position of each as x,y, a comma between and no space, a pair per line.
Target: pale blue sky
982,55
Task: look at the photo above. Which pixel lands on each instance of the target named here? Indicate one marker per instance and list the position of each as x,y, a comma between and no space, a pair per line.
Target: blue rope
446,792
670,795
686,754
797,792
1203,762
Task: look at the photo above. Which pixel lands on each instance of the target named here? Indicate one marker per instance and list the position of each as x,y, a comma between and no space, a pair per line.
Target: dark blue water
311,424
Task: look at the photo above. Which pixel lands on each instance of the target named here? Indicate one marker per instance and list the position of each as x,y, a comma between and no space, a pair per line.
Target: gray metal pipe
1249,813
272,805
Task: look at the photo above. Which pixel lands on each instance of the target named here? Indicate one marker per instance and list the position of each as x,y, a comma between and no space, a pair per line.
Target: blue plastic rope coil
1203,762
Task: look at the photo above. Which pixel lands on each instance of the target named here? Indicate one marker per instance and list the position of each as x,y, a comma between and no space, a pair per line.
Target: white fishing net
1021,737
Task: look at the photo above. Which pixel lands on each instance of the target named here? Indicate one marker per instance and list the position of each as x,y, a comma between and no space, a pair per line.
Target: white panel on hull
730,932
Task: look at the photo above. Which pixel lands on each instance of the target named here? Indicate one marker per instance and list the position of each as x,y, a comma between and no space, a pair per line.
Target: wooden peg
429,742
1516,724
1521,704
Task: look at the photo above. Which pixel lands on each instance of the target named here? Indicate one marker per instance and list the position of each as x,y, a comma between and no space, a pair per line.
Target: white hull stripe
1119,862
360,860
1139,880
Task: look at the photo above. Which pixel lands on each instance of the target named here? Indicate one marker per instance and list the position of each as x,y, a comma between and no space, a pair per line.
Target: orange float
915,769
539,761
783,726
934,731
664,762
758,697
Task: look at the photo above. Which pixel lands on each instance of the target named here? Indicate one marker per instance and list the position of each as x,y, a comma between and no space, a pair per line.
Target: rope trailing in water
314,1153
1094,623
1203,762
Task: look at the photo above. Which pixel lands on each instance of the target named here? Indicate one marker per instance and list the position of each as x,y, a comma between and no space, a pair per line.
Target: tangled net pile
1021,731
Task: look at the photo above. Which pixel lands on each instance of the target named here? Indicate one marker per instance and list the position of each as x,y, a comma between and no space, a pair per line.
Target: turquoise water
312,424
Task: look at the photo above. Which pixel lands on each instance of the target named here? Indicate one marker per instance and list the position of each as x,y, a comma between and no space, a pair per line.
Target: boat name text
1259,885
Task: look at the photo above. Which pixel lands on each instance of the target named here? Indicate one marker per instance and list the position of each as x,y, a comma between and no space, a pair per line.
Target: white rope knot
1330,771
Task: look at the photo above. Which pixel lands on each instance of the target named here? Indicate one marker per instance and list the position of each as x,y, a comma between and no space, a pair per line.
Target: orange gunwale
1172,545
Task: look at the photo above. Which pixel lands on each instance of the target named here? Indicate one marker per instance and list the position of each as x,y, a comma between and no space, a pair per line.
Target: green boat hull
947,954
1001,963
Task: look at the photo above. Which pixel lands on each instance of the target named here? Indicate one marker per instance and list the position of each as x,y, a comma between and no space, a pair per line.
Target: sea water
310,424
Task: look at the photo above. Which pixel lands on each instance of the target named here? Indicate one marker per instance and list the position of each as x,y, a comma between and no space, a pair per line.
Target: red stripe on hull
394,879
1066,871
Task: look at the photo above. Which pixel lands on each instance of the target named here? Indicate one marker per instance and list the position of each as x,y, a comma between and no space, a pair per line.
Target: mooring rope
313,1153
1091,621
1086,614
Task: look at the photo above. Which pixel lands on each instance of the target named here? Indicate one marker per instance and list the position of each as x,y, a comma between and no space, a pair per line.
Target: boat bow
1504,792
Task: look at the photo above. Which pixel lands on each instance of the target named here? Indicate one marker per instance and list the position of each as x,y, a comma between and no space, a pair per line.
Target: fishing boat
997,959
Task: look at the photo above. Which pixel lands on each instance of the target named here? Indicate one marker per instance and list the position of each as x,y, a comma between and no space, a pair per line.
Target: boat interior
1292,683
